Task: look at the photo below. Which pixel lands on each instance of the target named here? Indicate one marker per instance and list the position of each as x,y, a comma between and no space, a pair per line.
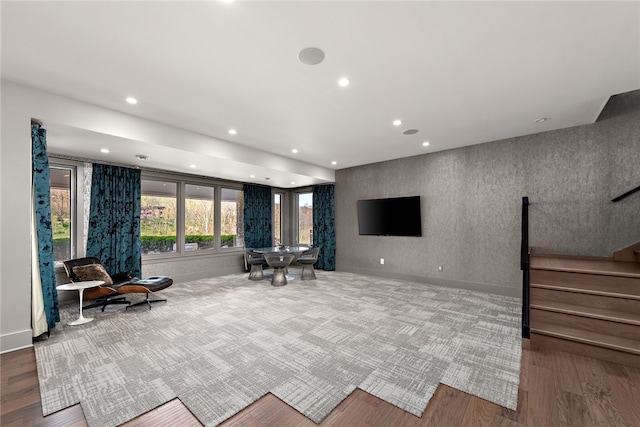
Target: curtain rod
36,122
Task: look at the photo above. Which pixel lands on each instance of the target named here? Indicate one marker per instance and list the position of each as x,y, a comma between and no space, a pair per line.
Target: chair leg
256,272
308,273
146,301
103,302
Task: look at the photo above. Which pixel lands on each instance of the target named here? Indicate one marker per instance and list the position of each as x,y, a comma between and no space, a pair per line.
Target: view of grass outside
61,213
232,218
158,210
158,227
158,216
305,218
199,217
277,219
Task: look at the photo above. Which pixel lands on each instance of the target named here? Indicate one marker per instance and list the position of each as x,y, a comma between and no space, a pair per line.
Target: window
305,218
198,217
158,216
232,218
62,212
277,219
187,215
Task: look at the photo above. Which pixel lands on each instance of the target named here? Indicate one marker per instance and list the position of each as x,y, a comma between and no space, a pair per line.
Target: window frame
76,204
282,194
182,180
296,212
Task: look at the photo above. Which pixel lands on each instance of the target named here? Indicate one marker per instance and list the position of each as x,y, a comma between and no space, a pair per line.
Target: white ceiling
461,73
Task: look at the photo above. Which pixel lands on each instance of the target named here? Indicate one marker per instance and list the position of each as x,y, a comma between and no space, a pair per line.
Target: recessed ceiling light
397,122
343,82
541,119
294,151
131,100
311,56
425,144
252,176
142,157
233,131
293,182
104,150
192,166
334,163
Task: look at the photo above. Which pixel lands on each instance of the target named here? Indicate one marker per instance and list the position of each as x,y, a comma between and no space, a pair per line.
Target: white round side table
80,287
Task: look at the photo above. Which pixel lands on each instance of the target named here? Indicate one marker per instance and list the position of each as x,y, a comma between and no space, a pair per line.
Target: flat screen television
398,216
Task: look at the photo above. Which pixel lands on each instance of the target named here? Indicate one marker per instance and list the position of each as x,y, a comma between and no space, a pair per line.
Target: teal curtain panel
257,216
113,235
324,228
42,207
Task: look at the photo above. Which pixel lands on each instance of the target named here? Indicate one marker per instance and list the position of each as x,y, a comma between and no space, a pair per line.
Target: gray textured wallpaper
471,204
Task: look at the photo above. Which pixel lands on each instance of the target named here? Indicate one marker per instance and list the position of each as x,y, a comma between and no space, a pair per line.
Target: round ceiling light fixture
131,100
104,150
311,56
334,163
142,157
397,122
541,120
425,144
232,132
343,82
410,132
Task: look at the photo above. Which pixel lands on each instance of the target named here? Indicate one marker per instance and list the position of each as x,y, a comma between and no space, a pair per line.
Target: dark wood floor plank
570,409
480,413
541,396
450,410
556,389
625,398
172,413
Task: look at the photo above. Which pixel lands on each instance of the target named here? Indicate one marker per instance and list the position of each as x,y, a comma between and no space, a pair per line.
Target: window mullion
217,224
180,219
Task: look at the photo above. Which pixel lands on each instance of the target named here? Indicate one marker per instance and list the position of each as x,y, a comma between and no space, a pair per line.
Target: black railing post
524,266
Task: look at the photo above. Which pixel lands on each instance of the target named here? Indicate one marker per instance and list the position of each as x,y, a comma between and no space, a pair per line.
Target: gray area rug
220,344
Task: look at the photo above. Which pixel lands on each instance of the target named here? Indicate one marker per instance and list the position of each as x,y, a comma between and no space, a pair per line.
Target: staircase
588,306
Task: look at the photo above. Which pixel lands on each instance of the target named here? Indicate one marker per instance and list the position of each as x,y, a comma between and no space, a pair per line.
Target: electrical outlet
439,268
381,260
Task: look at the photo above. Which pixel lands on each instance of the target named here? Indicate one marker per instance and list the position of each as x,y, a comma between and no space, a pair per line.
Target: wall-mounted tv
398,216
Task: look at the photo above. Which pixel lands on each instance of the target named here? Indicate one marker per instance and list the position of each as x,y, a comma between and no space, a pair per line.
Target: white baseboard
16,341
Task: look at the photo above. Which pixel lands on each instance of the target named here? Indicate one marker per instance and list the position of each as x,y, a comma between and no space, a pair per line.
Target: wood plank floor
556,389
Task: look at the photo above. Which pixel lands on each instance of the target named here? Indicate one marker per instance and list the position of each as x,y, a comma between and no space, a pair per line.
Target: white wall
15,208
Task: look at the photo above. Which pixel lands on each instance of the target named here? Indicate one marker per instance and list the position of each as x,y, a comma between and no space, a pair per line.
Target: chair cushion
92,272
156,283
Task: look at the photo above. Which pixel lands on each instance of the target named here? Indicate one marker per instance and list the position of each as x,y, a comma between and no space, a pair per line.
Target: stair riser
584,324
540,295
542,341
603,283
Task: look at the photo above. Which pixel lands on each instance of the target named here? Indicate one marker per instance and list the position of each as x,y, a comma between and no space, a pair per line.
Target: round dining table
280,249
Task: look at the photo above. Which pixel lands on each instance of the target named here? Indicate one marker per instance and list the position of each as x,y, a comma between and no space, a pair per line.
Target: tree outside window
158,217
305,218
61,212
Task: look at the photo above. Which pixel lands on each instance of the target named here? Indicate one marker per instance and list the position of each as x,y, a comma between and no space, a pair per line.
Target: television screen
398,216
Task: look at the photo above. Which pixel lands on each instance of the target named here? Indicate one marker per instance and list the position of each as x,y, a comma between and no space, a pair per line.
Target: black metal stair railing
625,195
525,262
